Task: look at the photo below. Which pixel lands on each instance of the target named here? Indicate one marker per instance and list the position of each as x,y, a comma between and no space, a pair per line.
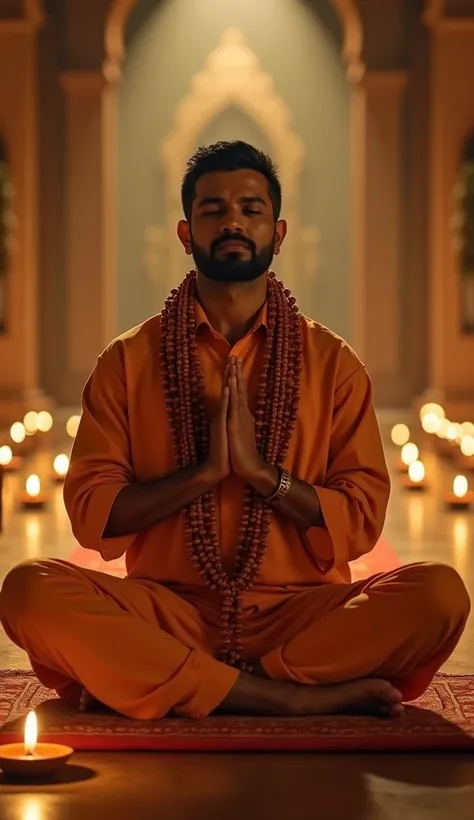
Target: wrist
263,477
210,475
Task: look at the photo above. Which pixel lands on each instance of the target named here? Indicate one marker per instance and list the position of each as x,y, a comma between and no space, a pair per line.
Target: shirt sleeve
355,494
100,461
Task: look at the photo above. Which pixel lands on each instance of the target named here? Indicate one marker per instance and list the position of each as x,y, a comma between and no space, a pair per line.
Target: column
19,377
89,245
451,352
378,114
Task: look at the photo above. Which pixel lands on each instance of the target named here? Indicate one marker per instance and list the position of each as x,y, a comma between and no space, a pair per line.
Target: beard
231,267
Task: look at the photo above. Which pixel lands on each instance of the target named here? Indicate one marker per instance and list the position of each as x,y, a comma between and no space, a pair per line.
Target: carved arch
347,10
232,76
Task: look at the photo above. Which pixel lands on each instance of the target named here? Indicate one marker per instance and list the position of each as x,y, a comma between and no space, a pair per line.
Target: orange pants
142,650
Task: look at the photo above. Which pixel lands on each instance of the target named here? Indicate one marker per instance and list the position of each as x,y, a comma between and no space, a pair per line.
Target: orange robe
145,644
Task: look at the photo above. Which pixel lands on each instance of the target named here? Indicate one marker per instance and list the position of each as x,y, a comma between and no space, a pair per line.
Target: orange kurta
336,447
147,644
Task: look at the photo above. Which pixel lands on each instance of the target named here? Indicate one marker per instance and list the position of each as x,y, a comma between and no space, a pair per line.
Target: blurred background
367,106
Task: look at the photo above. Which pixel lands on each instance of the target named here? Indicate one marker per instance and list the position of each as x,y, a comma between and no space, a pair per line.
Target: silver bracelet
284,484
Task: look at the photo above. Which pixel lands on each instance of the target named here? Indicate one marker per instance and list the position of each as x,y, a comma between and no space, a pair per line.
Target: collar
202,320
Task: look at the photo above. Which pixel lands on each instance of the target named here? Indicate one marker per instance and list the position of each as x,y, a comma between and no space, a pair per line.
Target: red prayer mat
383,558
443,718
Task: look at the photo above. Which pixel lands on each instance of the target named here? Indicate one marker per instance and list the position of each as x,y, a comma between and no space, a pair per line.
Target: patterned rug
442,719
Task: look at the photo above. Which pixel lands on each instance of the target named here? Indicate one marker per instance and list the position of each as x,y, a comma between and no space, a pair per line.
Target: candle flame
33,486
6,455
61,464
460,486
400,434
409,453
31,733
416,471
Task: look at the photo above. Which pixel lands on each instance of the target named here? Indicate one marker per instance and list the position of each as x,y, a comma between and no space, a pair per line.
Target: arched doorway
316,262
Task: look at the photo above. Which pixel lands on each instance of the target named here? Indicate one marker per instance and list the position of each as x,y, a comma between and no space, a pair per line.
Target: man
229,447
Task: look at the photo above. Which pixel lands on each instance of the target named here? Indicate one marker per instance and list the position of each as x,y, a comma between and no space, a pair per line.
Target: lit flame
416,471
400,434
467,428
409,453
31,733
61,464
434,409
431,423
460,486
45,421
33,486
467,445
72,425
453,432
443,428
18,432
6,455
30,423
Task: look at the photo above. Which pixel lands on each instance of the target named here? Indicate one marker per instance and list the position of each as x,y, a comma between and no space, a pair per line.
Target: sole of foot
369,696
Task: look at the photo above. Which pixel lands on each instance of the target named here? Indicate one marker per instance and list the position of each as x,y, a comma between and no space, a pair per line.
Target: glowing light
453,433
6,455
416,471
72,425
433,408
45,421
61,464
33,486
467,429
409,453
460,486
31,733
18,432
467,445
30,423
431,423
443,428
400,434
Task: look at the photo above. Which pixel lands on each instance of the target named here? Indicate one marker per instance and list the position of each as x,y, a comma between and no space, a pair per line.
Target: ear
184,235
280,233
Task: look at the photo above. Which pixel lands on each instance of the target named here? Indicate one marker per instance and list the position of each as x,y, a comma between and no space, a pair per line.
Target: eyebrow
216,200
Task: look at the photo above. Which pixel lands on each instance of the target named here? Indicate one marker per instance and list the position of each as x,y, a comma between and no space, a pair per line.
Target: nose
231,226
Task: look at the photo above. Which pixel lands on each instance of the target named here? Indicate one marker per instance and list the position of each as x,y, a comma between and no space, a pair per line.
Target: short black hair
229,156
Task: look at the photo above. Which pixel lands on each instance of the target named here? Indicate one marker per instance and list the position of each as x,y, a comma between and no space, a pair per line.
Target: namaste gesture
233,447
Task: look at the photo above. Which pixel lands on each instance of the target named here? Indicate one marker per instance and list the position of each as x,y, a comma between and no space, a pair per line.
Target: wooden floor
353,787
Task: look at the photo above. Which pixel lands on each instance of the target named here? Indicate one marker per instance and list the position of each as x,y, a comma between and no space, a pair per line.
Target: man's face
233,235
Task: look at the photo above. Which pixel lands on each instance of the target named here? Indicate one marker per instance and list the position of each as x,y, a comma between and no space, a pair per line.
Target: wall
163,52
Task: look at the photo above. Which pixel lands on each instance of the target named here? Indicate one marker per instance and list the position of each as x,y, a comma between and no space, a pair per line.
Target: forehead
231,185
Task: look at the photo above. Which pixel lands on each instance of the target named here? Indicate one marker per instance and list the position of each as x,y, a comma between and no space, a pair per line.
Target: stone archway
120,10
159,238
232,76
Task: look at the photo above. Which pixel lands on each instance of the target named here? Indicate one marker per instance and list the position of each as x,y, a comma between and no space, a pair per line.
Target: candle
409,453
61,466
461,497
44,421
416,476
9,462
32,498
31,759
71,426
400,434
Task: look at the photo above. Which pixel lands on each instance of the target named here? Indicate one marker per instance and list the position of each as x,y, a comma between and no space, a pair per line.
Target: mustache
232,238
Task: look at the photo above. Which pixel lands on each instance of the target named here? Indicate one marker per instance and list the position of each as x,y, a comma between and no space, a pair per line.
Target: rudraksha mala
275,419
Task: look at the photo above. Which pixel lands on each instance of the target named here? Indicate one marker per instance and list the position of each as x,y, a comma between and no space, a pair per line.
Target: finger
242,387
225,400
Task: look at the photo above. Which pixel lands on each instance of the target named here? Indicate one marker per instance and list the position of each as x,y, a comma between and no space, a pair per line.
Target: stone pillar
89,309
378,102
451,352
19,344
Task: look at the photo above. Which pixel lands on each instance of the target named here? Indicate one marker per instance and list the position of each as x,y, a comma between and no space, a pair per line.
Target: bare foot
367,696
252,695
